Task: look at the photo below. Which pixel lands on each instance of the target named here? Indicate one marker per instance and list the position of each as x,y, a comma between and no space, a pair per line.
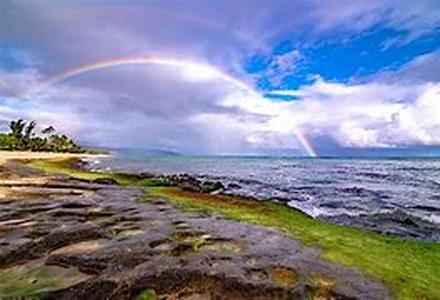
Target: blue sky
357,57
331,77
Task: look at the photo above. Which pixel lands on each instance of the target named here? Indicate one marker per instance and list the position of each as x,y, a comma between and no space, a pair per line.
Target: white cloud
368,115
163,107
413,19
14,83
224,120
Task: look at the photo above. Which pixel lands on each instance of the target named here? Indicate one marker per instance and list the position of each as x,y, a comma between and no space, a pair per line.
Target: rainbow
141,60
149,60
308,147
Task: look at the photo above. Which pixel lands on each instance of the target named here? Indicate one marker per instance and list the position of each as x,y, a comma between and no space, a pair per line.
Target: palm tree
48,130
22,137
29,130
17,128
26,140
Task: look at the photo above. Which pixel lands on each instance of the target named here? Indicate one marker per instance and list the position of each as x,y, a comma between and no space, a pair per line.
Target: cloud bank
194,111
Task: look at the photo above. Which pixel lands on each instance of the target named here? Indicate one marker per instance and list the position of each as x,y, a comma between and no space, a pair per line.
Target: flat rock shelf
62,238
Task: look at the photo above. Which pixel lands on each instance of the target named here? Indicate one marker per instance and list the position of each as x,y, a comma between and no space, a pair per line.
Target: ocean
392,196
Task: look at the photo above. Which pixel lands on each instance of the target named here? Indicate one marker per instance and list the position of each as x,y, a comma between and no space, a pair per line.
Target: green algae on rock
409,268
35,278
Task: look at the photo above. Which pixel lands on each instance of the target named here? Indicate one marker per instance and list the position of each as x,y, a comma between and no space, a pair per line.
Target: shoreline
64,238
388,259
391,222
6,156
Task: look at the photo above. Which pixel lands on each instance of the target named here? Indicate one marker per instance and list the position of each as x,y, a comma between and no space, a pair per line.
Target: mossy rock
34,278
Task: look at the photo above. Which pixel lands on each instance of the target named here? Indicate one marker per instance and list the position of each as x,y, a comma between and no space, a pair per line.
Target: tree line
22,136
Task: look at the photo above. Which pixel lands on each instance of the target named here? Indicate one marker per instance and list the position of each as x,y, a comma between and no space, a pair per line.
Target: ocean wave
362,193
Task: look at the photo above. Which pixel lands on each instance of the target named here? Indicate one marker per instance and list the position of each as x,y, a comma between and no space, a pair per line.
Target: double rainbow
146,60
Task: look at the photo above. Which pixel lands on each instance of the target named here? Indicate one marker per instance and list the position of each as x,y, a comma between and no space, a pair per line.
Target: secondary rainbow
148,60
142,60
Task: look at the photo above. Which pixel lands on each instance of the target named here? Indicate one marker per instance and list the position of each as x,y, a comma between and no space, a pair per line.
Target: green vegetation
147,295
411,269
18,281
22,137
67,167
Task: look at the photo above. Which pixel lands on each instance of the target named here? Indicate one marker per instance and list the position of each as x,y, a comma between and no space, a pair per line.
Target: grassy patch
411,269
65,167
150,182
147,295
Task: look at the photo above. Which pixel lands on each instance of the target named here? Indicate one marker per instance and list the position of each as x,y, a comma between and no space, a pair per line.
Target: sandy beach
26,155
14,183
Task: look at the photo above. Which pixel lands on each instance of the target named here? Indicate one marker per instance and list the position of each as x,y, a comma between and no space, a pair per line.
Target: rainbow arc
147,60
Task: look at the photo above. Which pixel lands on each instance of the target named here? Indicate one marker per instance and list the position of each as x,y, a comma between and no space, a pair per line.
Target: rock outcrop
118,247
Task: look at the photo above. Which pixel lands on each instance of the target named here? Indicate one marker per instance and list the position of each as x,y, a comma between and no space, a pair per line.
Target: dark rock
190,183
233,185
332,204
146,175
211,186
396,223
107,181
179,255
125,254
409,222
427,208
280,200
94,289
56,239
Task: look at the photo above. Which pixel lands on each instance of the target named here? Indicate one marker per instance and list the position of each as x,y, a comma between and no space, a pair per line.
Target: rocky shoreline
62,238
395,223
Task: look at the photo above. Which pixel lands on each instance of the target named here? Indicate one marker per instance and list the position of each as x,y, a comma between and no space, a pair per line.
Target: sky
297,77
